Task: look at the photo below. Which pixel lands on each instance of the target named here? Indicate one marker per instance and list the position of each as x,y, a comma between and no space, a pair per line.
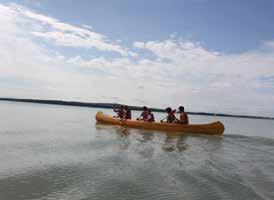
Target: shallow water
59,152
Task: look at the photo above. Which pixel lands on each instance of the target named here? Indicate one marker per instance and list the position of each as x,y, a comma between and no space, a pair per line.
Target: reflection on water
120,130
69,156
171,142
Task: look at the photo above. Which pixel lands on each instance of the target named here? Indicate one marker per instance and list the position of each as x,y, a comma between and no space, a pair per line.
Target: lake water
59,152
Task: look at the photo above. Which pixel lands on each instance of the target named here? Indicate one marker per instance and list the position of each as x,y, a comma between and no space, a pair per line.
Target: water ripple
72,158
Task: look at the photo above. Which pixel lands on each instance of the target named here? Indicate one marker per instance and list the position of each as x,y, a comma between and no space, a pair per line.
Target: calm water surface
58,152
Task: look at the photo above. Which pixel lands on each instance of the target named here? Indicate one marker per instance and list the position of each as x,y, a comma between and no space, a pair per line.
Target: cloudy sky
208,55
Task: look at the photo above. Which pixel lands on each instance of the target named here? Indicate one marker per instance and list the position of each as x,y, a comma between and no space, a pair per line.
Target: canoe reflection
120,130
167,142
173,143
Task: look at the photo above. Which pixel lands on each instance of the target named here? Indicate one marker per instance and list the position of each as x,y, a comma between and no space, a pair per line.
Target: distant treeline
116,105
76,103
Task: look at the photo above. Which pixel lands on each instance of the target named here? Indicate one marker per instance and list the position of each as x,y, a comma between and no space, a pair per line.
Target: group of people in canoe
124,112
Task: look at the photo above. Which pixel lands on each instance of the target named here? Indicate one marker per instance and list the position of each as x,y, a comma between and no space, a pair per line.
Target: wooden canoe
215,128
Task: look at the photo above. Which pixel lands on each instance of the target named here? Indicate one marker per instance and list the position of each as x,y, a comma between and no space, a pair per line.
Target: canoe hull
215,128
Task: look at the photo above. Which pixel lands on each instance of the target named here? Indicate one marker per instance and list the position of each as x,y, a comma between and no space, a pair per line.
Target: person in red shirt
183,116
120,111
170,115
127,114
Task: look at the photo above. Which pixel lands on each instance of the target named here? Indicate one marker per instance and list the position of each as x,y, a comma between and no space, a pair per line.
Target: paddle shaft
167,116
163,118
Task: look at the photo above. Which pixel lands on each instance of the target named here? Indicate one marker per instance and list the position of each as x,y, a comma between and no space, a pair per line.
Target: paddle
167,116
163,119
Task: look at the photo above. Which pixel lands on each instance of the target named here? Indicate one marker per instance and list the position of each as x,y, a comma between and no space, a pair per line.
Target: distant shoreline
112,105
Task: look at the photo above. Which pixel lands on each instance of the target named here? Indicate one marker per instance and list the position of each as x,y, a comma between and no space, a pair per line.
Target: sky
208,55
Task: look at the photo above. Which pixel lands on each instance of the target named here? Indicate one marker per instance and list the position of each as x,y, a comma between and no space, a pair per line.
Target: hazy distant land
116,105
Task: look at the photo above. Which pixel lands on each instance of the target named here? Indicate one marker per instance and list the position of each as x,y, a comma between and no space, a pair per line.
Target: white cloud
182,72
86,26
189,56
66,34
140,45
269,44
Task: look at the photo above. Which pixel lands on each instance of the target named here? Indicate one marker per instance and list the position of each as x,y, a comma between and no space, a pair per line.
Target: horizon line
112,105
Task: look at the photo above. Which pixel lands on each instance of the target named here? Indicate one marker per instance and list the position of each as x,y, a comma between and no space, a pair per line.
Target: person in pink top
150,117
144,114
